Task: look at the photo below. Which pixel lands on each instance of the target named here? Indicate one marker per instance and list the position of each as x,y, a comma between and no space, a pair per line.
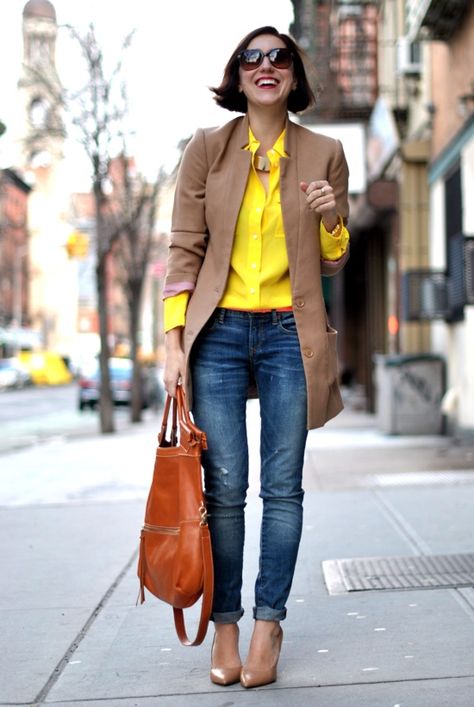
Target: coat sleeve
338,177
189,233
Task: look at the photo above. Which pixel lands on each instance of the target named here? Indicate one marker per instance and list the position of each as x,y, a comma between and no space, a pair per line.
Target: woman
259,214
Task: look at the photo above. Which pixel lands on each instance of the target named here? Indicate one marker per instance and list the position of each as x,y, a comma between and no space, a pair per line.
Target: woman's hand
174,360
320,198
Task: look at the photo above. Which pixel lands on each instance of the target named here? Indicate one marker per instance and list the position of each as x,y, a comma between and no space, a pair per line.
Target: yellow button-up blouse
258,275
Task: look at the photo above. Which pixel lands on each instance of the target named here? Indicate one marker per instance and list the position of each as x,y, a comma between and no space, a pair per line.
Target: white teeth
266,82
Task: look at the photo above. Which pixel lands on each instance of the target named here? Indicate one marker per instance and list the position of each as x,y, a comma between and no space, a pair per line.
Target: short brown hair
227,94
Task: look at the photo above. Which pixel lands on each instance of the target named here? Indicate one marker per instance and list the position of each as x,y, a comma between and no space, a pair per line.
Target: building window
454,245
38,113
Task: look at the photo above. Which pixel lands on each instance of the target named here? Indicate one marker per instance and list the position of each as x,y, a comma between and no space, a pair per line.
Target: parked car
121,370
13,374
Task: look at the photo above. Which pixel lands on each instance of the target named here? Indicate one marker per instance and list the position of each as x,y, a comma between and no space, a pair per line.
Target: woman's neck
267,127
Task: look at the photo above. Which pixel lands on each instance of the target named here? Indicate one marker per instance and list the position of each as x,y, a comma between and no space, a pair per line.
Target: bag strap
207,596
184,417
180,414
164,423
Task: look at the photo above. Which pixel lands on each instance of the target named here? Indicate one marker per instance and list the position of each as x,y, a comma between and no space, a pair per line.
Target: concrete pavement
70,515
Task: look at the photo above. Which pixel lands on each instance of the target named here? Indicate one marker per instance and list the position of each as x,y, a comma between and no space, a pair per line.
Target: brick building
14,262
408,287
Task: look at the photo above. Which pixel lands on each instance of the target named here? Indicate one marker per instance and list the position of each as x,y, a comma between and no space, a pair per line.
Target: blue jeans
233,349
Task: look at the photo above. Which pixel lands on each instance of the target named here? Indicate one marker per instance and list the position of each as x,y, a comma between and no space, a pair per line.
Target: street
37,402
38,414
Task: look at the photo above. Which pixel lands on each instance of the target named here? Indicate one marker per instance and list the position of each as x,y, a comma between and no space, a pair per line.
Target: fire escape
340,38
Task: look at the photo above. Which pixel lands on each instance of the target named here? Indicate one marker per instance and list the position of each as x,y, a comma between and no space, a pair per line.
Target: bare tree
137,202
98,111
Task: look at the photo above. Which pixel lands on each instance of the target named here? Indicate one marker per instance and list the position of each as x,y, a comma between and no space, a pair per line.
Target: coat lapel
236,181
290,194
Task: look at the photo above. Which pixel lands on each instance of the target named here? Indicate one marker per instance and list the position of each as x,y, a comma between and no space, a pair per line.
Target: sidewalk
70,515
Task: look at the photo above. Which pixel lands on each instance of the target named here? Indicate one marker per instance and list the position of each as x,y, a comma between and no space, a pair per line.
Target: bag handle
164,424
182,418
207,596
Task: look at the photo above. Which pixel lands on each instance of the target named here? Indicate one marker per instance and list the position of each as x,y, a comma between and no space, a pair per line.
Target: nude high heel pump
224,675
255,678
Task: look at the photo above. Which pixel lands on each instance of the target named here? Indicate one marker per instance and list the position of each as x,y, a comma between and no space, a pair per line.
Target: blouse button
252,290
309,353
300,302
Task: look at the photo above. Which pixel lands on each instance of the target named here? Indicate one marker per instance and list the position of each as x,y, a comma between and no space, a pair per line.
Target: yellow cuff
333,247
174,310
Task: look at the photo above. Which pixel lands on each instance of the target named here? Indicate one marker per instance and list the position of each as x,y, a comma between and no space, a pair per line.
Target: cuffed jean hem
227,617
265,613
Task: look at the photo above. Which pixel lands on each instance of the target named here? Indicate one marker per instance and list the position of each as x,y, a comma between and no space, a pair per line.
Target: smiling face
267,86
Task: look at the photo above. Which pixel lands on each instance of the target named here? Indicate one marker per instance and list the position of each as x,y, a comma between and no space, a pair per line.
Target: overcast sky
179,49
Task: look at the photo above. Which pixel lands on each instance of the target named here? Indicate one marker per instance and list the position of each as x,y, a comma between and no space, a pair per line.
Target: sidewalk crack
59,669
416,543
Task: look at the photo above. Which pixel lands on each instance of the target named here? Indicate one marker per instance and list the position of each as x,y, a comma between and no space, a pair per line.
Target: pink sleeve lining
175,288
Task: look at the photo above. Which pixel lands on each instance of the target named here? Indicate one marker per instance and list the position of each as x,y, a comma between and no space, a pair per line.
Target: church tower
40,86
41,139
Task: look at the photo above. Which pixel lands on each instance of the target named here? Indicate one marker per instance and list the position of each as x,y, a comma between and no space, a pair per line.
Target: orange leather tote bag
175,559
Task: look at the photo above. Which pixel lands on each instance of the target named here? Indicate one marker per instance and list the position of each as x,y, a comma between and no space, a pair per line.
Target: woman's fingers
170,386
317,190
173,373
174,360
319,196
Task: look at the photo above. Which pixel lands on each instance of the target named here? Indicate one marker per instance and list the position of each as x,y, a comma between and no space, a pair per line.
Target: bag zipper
161,529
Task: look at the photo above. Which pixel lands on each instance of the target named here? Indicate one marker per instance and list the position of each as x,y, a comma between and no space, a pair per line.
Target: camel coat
211,182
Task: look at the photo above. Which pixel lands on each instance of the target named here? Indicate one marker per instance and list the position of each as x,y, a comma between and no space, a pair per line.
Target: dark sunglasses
280,58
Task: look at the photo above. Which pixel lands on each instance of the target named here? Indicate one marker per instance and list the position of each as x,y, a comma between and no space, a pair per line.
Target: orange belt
262,311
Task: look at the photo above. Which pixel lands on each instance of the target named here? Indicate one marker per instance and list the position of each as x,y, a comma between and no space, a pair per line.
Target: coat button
299,302
309,353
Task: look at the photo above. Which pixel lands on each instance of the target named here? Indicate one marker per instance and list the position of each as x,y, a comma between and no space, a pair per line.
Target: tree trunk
106,406
134,314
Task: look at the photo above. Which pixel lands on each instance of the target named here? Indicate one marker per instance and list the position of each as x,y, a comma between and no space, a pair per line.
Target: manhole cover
414,572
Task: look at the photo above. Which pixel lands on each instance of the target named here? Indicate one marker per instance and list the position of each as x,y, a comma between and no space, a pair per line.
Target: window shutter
456,288
469,269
